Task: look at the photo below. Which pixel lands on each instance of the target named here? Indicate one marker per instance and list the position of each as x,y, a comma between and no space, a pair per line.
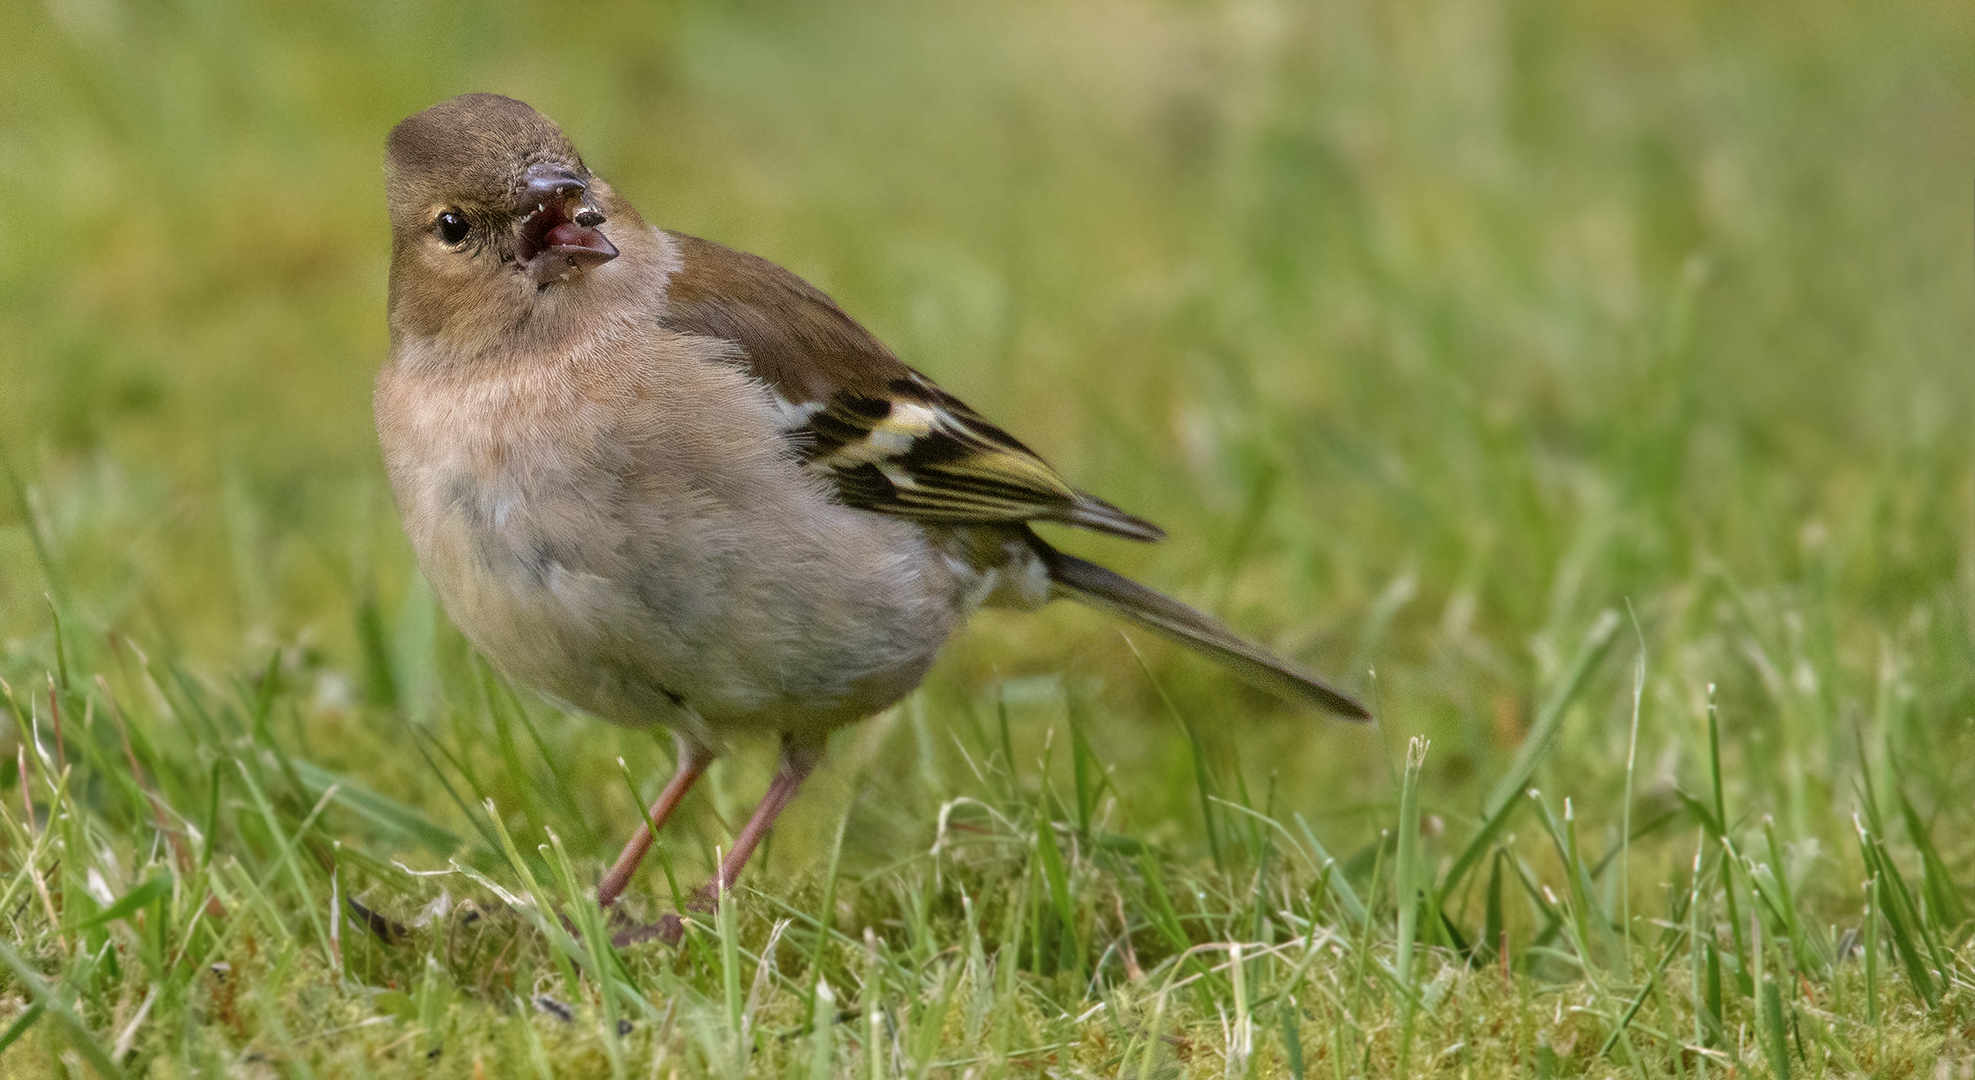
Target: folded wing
884,436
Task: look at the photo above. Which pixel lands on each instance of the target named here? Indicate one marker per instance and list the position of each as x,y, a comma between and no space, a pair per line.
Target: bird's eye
453,227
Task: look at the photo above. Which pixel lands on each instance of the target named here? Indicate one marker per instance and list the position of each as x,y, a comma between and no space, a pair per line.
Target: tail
1091,584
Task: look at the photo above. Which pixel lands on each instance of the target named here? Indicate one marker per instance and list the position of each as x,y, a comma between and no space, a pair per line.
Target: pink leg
693,760
797,764
798,761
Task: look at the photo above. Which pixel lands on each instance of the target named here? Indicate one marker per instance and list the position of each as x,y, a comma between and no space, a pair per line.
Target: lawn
1587,386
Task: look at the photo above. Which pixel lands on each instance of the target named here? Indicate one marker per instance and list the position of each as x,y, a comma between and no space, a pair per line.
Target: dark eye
453,227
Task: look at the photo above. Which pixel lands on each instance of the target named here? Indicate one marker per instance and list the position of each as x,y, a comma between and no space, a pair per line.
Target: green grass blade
1870,947
1203,782
1945,905
45,996
729,932
1506,795
822,1031
1897,908
1406,881
1775,1043
1714,765
284,857
580,908
153,887
1292,1042
826,912
379,810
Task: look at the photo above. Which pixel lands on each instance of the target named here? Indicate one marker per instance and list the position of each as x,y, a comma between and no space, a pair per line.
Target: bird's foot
669,928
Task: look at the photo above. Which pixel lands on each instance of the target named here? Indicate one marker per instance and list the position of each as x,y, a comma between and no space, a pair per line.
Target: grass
1583,385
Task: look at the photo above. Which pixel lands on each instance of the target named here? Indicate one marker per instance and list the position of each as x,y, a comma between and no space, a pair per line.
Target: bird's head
492,210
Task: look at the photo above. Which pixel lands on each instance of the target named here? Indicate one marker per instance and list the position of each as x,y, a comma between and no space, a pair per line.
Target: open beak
559,238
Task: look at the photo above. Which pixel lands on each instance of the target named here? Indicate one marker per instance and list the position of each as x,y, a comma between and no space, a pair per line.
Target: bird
669,484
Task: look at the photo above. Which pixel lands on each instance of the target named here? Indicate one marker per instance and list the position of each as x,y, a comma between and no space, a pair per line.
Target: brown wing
885,436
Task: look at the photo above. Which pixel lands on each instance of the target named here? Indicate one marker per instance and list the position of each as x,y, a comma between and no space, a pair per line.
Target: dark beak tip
550,183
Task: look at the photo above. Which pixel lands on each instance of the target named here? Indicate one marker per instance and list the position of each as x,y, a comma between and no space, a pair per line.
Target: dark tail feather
1091,584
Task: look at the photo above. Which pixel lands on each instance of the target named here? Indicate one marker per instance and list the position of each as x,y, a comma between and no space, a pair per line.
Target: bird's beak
558,220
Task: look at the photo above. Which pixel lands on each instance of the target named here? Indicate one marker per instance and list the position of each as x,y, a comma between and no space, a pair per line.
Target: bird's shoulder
797,339
885,436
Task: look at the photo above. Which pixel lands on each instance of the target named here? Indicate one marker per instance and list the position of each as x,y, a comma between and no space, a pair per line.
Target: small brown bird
668,483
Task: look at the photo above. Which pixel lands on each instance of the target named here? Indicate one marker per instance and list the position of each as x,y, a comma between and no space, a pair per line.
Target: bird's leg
798,761
693,760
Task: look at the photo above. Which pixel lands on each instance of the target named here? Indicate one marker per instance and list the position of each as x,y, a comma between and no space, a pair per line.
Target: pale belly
614,565
706,628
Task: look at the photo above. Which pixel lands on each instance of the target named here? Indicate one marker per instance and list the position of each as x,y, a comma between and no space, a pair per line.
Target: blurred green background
1428,330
